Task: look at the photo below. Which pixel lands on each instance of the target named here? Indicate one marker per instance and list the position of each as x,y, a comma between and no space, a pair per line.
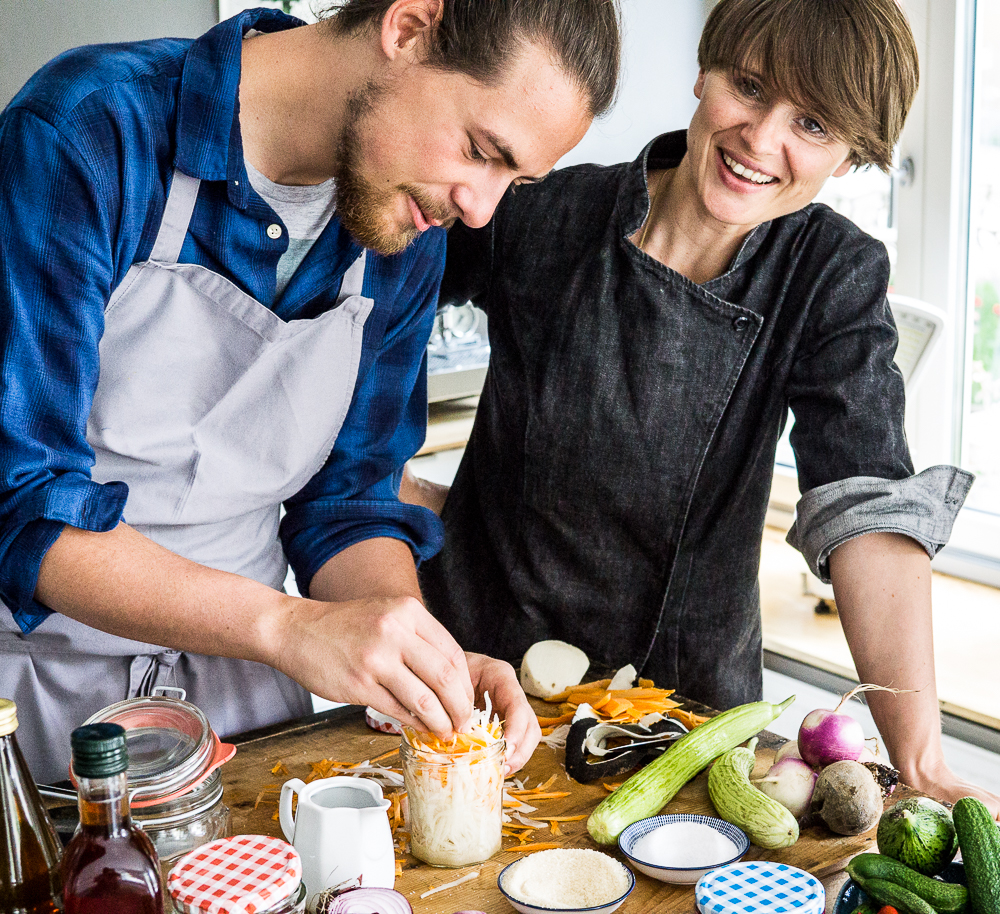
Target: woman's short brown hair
851,63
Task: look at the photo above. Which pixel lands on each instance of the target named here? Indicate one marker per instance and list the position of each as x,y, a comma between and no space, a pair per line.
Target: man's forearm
372,569
123,583
882,583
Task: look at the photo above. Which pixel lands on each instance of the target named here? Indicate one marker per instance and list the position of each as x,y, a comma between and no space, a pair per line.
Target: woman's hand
943,785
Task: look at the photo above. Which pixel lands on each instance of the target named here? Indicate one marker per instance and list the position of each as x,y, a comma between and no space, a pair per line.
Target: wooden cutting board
343,735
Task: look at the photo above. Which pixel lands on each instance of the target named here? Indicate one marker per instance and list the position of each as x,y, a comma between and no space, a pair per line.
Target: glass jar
186,822
262,874
174,777
455,803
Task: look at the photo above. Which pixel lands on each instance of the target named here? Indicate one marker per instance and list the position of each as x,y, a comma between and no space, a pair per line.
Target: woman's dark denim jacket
614,489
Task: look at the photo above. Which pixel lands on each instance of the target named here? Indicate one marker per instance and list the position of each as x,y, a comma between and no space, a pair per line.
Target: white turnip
787,750
550,667
791,782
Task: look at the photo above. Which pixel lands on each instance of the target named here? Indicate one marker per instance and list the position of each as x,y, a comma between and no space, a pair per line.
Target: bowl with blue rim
852,895
638,854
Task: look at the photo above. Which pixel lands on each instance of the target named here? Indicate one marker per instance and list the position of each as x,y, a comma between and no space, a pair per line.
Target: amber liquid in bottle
110,865
29,846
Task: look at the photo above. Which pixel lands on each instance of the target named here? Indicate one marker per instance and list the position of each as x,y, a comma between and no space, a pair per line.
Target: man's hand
390,653
521,730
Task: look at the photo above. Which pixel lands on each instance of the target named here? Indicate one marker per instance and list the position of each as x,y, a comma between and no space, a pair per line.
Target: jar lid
757,886
239,875
171,746
8,716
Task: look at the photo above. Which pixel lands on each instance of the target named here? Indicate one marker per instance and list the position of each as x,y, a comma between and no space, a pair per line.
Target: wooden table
342,734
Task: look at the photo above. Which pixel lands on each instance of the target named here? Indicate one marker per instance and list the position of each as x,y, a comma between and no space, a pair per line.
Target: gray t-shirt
305,212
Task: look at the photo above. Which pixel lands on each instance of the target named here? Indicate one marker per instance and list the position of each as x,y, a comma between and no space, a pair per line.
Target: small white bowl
605,908
679,875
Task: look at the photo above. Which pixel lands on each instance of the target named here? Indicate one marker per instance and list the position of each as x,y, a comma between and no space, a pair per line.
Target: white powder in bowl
564,878
684,844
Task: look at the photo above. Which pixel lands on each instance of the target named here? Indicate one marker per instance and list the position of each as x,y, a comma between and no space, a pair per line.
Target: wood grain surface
342,734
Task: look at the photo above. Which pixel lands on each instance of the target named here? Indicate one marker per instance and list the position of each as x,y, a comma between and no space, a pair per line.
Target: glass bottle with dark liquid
29,846
110,866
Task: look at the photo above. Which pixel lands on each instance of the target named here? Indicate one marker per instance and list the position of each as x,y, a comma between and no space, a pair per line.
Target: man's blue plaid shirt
86,152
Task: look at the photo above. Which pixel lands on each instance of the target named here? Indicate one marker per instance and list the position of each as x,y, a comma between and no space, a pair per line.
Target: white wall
659,70
32,32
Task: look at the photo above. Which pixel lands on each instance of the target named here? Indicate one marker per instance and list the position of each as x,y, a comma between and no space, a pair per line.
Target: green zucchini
944,897
903,900
649,789
979,839
766,821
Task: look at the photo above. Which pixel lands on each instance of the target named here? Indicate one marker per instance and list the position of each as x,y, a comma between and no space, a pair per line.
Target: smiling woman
651,323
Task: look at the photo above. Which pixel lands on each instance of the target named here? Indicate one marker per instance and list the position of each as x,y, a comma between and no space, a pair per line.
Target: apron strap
176,216
353,279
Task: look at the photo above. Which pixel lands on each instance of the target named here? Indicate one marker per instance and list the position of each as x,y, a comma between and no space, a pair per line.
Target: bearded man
219,275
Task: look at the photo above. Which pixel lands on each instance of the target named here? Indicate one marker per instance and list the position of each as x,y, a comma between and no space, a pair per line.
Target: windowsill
966,631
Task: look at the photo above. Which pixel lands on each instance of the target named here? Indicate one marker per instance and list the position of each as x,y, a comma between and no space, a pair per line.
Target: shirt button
741,323
274,231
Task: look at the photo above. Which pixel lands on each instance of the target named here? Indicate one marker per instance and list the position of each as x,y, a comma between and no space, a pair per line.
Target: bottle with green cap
110,864
29,863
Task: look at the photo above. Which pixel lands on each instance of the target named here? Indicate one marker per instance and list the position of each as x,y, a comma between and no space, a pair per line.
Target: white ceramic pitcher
341,832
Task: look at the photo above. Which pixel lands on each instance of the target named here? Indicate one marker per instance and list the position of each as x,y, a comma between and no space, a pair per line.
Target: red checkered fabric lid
240,875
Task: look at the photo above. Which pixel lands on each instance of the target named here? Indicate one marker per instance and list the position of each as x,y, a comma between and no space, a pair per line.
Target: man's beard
365,210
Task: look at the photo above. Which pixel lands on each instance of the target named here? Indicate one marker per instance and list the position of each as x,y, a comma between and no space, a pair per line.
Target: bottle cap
8,717
99,750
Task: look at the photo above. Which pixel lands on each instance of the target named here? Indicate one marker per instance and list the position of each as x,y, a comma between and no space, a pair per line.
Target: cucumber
903,900
945,897
765,820
919,832
651,788
979,839
866,907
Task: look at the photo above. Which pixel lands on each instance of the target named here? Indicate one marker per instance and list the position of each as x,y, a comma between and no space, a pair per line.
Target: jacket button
274,231
741,323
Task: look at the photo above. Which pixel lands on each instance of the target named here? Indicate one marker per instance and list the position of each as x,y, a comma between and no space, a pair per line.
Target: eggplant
582,747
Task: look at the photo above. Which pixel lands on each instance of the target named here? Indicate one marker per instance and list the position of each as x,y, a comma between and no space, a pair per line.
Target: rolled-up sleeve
847,395
355,495
56,274
922,507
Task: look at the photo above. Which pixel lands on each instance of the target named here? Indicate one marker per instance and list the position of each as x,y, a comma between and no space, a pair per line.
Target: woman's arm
417,491
882,583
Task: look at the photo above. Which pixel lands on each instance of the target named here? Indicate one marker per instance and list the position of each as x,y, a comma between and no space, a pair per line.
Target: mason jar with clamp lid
174,776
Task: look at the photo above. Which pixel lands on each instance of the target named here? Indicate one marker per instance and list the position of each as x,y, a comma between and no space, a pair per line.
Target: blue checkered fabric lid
759,887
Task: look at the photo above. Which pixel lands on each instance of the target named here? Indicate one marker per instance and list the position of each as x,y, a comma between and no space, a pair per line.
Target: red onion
829,736
363,900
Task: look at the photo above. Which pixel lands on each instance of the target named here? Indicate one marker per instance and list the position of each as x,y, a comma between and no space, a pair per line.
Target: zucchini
766,821
651,788
944,897
979,839
903,900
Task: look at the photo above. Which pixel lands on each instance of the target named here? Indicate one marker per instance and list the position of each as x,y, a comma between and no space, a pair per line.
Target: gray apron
213,410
